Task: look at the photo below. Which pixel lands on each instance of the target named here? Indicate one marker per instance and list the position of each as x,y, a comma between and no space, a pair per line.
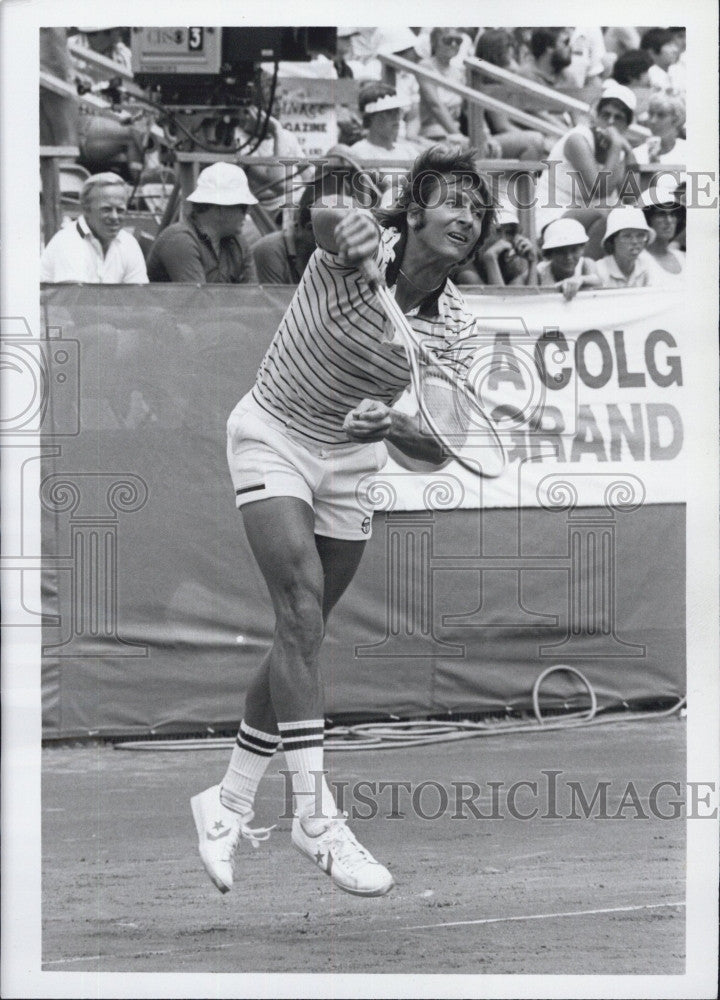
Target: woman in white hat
625,264
564,267
588,165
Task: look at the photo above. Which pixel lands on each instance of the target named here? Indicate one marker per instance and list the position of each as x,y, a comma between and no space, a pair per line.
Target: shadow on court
124,890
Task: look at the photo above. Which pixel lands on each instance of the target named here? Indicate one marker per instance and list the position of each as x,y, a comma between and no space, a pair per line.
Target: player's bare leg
305,576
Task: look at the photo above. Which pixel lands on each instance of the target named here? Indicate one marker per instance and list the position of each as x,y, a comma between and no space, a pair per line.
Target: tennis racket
444,380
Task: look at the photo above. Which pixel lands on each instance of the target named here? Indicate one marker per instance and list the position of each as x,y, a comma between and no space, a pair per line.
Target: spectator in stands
269,182
666,120
564,266
661,46
281,257
381,109
402,42
551,55
521,43
511,259
440,109
631,69
619,40
626,237
588,166
496,46
424,44
208,248
666,217
96,249
106,42
589,62
343,53
678,71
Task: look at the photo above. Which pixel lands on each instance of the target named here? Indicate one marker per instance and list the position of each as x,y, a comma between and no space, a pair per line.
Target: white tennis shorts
265,462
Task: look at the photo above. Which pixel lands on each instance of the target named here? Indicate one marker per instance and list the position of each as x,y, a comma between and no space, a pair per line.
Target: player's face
564,260
452,221
104,212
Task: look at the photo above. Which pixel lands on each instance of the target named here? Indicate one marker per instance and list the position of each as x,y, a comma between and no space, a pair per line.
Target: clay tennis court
124,890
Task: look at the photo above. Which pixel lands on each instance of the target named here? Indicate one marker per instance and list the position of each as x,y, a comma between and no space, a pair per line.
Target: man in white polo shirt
95,249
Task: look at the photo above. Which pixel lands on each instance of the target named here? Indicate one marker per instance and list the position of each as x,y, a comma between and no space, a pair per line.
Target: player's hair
99,181
631,65
654,39
438,163
543,39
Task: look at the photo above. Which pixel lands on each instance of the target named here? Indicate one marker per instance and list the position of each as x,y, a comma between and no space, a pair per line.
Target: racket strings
442,401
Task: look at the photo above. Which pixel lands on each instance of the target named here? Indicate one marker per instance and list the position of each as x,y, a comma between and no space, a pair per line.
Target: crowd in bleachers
622,113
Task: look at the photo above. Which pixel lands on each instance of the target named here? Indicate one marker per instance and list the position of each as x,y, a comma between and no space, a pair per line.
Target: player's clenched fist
345,230
369,421
356,236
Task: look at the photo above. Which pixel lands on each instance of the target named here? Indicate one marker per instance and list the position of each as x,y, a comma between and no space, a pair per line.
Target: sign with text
589,389
306,108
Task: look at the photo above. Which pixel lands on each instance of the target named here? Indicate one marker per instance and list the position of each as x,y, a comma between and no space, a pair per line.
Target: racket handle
371,273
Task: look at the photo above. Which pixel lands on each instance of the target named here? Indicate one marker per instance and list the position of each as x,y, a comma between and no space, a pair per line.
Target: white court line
419,927
538,916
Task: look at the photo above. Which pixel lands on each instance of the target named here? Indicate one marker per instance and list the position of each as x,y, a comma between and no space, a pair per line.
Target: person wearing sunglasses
440,109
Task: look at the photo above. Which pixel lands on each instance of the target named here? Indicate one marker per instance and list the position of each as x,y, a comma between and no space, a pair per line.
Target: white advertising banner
589,398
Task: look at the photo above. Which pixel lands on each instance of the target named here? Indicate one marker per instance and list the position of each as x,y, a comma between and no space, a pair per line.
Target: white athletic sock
251,755
303,746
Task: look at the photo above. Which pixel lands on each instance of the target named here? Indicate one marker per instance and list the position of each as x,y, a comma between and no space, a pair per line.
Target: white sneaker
220,830
336,851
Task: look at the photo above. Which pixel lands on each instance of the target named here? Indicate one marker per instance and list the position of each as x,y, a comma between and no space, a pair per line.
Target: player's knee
300,619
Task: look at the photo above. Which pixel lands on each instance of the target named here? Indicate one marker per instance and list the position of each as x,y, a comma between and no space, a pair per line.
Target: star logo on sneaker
223,831
324,861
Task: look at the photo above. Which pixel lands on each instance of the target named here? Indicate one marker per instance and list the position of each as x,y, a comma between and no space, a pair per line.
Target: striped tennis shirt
334,347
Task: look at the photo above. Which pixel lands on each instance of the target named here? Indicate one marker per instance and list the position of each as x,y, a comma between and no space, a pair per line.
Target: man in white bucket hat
625,264
208,246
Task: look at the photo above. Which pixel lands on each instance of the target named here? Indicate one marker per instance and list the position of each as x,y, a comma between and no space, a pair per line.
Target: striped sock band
251,755
303,746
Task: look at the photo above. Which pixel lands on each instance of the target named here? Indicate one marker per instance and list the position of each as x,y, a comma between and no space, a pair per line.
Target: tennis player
315,423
